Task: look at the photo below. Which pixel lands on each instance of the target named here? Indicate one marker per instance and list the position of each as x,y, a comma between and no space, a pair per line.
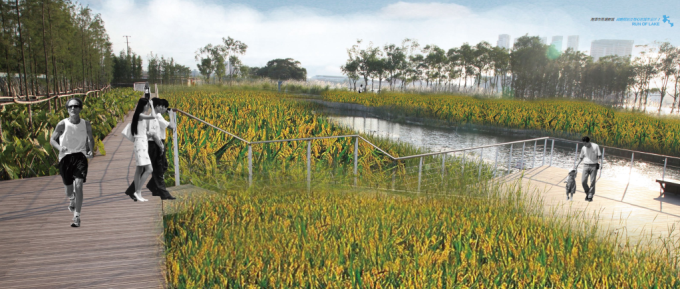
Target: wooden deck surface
641,214
118,245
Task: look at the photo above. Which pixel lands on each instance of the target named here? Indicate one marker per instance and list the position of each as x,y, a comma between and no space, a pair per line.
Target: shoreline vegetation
277,234
27,152
604,125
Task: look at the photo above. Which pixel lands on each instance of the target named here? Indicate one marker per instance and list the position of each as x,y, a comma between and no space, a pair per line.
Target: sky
318,33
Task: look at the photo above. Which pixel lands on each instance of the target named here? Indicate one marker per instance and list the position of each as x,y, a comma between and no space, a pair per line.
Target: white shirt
74,138
590,155
162,125
153,124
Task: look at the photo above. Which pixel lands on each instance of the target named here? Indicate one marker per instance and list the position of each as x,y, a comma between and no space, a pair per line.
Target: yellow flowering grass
347,239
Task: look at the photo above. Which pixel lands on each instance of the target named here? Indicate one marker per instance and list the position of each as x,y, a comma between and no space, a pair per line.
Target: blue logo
667,19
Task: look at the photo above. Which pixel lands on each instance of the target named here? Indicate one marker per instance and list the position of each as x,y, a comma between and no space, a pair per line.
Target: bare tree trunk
47,64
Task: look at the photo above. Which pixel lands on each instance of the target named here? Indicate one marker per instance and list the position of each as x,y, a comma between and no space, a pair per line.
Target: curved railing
519,163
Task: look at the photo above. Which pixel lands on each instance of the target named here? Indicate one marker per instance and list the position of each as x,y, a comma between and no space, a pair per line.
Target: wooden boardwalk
119,243
640,214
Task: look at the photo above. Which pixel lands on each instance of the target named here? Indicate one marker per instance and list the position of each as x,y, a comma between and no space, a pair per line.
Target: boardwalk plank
119,244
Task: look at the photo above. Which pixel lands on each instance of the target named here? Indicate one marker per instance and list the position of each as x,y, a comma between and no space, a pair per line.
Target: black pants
159,163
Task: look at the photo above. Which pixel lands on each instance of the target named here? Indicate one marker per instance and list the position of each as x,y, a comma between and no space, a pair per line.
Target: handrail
198,119
250,143
15,99
472,148
352,135
604,146
302,139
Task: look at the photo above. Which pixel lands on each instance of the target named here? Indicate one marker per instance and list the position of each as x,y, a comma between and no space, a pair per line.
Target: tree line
52,46
529,70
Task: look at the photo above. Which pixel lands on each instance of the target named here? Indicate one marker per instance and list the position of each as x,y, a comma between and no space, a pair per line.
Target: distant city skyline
503,41
556,42
607,47
572,42
318,33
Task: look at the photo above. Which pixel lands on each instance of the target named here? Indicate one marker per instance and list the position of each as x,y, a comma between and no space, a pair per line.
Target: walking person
73,139
160,164
590,155
138,129
156,150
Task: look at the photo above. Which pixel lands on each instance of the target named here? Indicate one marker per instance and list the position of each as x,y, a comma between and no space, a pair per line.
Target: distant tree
666,67
350,69
283,69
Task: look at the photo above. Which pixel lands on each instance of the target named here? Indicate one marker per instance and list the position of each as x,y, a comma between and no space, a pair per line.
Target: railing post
663,177
481,161
576,154
463,169
545,146
509,159
533,161
420,172
394,174
522,159
602,163
443,165
250,165
309,166
495,166
551,151
356,158
632,159
175,148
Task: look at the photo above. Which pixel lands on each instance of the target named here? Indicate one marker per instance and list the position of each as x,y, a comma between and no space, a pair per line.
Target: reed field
605,126
206,154
27,152
467,232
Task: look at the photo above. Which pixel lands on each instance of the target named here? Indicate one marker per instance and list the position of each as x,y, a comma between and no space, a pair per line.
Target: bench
669,186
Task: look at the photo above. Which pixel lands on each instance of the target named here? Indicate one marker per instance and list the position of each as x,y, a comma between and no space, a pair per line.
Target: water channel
437,136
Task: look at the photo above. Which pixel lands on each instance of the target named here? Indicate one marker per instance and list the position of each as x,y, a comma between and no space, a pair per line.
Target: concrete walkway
624,209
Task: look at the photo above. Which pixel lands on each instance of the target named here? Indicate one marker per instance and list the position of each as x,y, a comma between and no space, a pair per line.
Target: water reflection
616,165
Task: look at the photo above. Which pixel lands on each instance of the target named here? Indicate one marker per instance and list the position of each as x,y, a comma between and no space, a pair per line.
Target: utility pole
127,42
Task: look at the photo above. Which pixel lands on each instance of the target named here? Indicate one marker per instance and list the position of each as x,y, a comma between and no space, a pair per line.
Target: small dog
571,185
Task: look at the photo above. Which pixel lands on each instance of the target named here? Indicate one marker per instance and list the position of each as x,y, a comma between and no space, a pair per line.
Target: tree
350,69
229,49
283,69
666,66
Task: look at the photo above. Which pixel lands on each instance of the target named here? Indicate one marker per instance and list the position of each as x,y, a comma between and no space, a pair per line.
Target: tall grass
465,233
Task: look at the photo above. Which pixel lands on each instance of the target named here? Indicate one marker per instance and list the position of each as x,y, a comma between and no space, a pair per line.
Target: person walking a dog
591,156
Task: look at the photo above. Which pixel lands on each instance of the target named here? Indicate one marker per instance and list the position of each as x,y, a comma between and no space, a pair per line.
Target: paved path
119,243
638,214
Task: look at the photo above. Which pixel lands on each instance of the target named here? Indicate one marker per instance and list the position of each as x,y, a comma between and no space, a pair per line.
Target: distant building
329,78
544,40
503,41
606,47
557,42
572,42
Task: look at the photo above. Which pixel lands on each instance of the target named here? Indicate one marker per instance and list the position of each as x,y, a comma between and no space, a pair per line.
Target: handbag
127,133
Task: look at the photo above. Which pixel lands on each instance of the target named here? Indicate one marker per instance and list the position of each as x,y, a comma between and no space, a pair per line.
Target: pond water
437,136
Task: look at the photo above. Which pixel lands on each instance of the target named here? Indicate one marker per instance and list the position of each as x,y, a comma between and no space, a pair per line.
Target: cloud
404,10
316,38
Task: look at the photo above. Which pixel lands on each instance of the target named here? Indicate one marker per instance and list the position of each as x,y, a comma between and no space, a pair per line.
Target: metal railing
521,164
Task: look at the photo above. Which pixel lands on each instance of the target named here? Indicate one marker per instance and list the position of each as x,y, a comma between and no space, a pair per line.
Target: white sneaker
139,197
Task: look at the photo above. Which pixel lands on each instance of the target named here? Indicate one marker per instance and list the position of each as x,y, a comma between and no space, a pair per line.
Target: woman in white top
138,129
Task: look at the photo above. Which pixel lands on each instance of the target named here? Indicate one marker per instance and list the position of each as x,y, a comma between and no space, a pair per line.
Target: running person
73,139
590,154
